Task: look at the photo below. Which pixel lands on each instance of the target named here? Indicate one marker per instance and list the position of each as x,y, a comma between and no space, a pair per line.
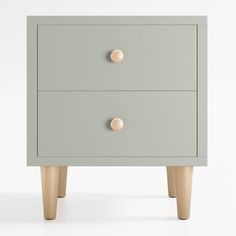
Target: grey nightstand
107,91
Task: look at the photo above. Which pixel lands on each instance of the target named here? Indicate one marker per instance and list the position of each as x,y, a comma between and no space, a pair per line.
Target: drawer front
155,124
156,57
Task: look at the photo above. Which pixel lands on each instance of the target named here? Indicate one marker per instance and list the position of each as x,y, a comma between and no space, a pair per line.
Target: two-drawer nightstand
107,91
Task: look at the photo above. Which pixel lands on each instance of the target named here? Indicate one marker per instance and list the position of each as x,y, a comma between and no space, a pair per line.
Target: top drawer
156,57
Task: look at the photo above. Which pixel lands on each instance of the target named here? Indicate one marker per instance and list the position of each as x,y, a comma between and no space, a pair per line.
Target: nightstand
117,91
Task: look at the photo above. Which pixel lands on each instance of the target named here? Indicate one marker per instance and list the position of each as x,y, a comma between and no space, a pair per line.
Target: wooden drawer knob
117,124
117,56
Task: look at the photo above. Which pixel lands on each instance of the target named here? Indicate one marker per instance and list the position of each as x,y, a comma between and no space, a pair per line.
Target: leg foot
62,181
171,181
50,180
183,176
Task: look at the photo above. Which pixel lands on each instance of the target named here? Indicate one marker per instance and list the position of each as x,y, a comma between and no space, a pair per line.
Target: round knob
117,124
117,56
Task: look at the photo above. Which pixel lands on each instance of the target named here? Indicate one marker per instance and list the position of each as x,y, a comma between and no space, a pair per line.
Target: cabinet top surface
117,19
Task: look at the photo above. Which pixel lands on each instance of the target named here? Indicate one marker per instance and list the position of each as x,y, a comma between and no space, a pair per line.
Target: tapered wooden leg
50,180
171,181
183,175
62,181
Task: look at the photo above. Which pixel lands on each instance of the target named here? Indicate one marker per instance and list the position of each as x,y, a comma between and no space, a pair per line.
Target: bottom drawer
155,124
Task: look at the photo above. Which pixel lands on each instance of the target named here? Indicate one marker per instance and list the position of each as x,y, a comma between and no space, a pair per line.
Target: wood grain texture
117,124
183,175
62,181
50,180
117,56
171,181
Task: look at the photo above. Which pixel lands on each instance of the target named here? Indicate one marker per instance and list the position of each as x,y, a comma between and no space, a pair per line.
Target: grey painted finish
117,161
202,90
32,95
113,20
157,57
201,103
156,124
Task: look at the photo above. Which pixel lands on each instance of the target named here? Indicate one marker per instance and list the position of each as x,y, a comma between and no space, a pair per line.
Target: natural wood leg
183,176
50,180
171,181
62,181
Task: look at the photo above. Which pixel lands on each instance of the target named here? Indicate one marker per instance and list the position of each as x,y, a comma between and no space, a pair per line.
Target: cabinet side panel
31,91
202,91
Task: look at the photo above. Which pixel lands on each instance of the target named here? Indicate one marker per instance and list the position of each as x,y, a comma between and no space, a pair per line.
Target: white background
118,200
